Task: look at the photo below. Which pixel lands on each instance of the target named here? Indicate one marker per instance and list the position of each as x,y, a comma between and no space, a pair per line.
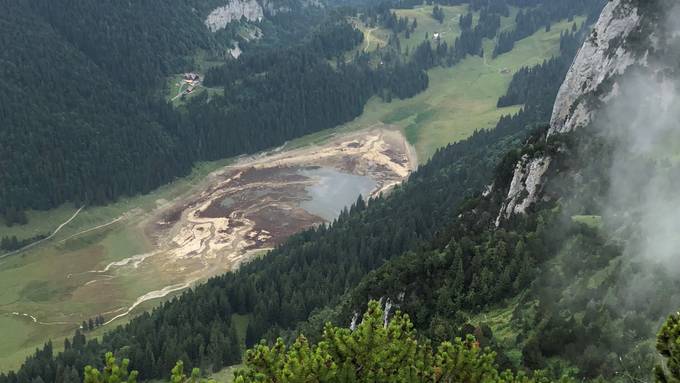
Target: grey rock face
601,57
234,11
524,188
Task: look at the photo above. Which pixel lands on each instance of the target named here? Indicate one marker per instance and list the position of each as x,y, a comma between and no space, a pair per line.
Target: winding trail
180,92
92,229
46,238
35,320
149,296
135,260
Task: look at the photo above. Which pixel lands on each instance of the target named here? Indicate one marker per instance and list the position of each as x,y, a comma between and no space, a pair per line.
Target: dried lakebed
260,201
116,268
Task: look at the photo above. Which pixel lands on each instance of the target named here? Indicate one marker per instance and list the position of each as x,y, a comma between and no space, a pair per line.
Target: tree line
527,82
366,354
545,13
11,243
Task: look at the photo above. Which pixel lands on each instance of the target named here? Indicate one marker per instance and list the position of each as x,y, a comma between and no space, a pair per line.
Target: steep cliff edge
591,81
603,55
252,11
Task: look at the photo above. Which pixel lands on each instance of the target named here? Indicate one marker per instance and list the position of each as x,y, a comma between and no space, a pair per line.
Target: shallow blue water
333,191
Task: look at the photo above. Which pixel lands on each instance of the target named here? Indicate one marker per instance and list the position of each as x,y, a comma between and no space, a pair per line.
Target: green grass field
463,98
428,26
592,221
459,101
500,320
36,282
175,85
47,221
203,61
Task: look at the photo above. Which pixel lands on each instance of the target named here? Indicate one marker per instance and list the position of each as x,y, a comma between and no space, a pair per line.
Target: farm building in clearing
190,76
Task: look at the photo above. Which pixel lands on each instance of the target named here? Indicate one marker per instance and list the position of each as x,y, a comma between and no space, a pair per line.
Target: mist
643,124
642,209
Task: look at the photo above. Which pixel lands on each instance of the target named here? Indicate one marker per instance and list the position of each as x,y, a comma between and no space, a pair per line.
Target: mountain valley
479,191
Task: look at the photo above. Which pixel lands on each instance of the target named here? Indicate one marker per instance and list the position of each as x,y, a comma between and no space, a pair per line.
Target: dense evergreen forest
310,275
600,327
299,93
581,297
373,351
80,126
528,83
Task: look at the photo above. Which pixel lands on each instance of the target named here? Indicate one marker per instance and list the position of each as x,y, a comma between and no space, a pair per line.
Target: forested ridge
312,273
71,91
601,327
58,108
291,92
531,19
367,354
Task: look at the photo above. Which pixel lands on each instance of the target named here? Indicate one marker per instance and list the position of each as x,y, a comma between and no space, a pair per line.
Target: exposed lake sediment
249,207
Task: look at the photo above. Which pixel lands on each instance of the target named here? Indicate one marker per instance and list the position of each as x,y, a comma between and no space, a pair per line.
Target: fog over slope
642,122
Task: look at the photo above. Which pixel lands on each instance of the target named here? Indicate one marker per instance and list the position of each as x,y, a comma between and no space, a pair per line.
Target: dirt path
486,63
134,261
36,321
149,296
30,245
180,92
92,229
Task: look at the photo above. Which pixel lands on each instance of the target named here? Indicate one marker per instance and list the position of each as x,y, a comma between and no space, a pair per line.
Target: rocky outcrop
601,57
592,75
236,51
235,10
525,186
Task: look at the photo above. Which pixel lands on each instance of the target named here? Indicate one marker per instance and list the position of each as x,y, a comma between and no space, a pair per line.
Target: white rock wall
525,186
234,11
593,64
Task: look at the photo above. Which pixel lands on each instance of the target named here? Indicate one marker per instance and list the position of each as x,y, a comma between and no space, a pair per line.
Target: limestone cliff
592,80
234,10
602,56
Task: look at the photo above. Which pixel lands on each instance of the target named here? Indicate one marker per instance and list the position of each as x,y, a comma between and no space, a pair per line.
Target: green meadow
462,99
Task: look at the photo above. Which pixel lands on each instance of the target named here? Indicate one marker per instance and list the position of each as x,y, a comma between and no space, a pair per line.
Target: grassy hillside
428,26
463,98
36,282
